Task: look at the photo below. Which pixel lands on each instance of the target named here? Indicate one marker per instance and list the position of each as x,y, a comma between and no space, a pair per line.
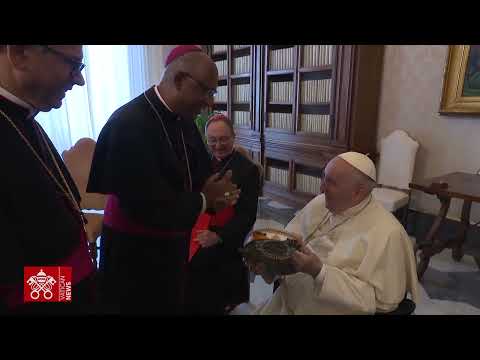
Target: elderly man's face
220,139
337,185
52,70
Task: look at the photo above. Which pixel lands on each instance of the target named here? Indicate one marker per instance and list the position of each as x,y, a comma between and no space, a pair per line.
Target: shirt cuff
204,203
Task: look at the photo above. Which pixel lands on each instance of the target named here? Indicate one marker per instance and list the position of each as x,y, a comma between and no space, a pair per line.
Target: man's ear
178,79
18,55
360,189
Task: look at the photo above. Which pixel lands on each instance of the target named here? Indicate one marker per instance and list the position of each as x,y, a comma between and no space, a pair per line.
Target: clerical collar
14,99
355,209
226,157
219,166
161,99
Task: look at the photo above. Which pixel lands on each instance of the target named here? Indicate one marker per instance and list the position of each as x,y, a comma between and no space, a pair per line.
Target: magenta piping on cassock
80,261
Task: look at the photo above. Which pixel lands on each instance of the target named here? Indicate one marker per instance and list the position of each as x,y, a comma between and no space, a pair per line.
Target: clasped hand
207,238
220,192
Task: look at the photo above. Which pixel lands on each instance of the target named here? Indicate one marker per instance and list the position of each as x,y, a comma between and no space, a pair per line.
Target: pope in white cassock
356,258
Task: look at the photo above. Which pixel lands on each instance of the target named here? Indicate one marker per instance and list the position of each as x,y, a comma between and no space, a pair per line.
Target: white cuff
204,203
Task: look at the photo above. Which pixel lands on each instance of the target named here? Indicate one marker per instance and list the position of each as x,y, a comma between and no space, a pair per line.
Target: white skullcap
360,162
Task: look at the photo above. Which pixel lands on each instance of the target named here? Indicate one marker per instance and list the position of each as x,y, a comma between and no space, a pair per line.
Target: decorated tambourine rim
270,234
272,247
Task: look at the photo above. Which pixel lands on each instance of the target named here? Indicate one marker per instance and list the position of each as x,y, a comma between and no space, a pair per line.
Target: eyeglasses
77,66
208,91
322,174
222,141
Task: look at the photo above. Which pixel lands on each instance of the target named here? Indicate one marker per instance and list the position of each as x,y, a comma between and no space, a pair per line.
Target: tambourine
274,248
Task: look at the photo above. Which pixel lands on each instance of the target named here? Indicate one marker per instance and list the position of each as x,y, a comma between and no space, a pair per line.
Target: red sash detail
204,221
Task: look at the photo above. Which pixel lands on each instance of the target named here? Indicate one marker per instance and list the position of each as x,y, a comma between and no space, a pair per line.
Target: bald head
189,83
191,63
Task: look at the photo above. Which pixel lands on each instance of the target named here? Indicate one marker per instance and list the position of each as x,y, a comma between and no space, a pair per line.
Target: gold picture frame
461,84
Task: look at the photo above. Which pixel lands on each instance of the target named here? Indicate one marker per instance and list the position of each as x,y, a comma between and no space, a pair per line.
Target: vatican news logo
47,284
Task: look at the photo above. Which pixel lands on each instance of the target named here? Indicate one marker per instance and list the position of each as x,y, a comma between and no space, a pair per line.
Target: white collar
161,99
8,95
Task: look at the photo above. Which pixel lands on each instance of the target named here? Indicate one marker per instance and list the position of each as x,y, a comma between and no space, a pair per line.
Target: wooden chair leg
432,244
405,213
457,248
405,217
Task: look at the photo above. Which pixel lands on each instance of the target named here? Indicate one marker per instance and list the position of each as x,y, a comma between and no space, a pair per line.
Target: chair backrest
397,160
78,160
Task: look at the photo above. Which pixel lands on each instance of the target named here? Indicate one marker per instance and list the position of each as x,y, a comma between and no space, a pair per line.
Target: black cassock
38,224
151,210
217,276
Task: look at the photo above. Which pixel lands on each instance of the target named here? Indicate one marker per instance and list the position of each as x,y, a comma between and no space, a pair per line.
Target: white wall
410,99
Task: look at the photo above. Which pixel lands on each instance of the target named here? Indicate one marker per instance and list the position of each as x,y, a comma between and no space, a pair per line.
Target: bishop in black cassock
152,163
150,210
39,226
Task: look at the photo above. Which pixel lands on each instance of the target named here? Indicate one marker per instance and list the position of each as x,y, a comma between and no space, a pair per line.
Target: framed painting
461,84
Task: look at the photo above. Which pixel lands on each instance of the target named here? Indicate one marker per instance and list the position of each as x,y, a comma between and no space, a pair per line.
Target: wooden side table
458,185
